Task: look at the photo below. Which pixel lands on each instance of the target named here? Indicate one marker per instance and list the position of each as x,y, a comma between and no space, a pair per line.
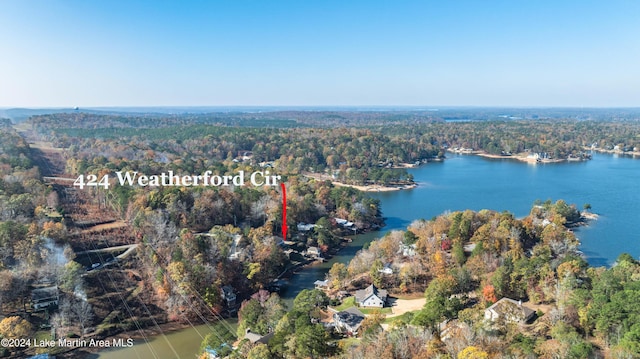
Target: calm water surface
609,183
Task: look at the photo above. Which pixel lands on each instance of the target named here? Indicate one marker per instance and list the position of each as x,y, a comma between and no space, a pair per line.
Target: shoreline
148,332
363,188
376,188
614,152
522,158
516,157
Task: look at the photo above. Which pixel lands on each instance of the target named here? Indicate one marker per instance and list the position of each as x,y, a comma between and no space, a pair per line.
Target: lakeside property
529,157
364,188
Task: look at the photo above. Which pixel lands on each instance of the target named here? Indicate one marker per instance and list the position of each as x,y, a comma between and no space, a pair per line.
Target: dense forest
472,259
130,257
296,147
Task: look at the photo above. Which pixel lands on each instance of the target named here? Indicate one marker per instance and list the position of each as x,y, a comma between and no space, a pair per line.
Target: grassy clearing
404,318
408,296
351,302
347,303
373,310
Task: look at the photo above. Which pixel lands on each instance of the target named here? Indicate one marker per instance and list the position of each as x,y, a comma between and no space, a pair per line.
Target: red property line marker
284,212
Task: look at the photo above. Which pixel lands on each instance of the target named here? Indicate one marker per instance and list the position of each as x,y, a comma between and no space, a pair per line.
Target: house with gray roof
257,338
321,284
229,295
371,297
509,310
42,298
348,321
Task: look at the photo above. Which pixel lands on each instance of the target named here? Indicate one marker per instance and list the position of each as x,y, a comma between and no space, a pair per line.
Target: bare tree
73,310
58,322
83,313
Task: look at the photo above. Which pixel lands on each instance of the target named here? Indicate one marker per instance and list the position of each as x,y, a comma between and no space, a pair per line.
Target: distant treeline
387,139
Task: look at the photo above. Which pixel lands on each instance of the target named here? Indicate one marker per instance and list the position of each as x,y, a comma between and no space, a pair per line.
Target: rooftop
40,294
363,294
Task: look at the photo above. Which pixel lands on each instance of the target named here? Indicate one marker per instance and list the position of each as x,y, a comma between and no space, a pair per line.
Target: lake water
610,183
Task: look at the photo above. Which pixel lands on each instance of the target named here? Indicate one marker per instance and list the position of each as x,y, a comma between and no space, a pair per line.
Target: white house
371,297
345,223
321,284
314,252
386,269
305,227
407,250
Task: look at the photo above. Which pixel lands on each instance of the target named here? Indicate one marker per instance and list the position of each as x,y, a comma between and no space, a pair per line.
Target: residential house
345,223
235,252
257,338
348,321
386,269
469,247
229,295
407,250
371,297
42,298
305,227
314,252
321,284
509,310
533,157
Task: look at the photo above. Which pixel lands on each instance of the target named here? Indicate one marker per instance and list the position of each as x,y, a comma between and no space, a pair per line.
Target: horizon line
424,107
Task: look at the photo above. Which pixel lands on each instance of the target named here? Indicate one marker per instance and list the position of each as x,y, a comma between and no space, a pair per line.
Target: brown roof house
371,297
509,310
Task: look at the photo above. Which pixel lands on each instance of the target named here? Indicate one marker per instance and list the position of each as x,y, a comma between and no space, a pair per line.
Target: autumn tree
15,328
489,294
337,274
473,352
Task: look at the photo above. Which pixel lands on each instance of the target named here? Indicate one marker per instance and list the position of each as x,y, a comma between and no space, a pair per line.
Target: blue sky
314,53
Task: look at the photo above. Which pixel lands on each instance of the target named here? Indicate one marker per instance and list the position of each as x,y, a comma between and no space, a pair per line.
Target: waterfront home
371,297
509,310
348,321
321,284
314,252
344,223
